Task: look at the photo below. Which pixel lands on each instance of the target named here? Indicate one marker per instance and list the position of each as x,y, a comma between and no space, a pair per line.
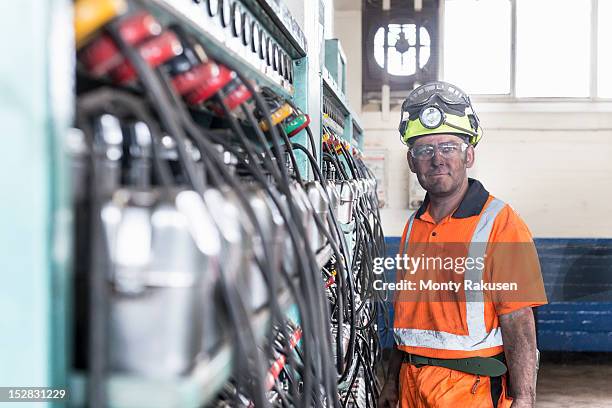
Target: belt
488,366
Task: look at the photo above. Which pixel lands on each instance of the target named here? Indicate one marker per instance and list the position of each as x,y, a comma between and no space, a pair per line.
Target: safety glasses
448,150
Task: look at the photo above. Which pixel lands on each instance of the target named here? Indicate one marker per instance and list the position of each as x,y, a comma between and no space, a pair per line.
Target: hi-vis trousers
439,387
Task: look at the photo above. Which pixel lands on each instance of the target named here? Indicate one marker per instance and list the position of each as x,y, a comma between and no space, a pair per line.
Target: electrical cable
121,105
264,160
330,386
295,239
159,99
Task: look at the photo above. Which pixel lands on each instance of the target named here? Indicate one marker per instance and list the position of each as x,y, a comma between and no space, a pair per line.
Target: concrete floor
575,380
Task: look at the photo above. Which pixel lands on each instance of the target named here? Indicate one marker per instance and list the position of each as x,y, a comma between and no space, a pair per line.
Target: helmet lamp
431,117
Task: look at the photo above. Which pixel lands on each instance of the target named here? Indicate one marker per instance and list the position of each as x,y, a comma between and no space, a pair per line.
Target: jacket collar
472,204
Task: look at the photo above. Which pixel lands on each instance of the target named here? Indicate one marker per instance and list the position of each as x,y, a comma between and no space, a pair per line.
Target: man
471,348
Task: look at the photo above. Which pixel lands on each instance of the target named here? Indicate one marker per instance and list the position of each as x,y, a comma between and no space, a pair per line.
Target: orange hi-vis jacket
464,323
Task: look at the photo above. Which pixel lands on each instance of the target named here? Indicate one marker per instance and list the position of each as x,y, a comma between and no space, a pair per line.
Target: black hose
160,100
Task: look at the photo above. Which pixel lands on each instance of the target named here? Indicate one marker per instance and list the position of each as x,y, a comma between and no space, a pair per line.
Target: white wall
555,169
551,161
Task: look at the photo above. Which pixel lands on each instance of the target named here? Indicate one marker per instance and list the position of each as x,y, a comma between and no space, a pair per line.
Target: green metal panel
308,84
301,99
35,111
348,129
335,62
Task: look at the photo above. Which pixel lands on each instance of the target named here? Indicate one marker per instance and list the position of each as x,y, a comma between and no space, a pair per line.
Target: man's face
441,175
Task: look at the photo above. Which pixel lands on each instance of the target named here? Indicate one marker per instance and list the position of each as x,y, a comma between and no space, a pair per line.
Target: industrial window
552,48
604,49
477,45
401,45
529,48
403,48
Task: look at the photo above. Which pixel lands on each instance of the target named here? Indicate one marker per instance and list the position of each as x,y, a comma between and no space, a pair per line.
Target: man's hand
518,331
389,396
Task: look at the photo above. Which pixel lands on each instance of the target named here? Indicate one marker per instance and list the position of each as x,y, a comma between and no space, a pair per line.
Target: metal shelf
280,22
190,15
193,390
332,125
334,91
356,121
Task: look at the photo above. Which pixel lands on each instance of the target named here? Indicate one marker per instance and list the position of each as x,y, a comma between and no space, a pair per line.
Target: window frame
373,77
512,97
418,47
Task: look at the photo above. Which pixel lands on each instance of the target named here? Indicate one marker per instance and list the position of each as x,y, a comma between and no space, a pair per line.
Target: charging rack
352,130
46,276
211,373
